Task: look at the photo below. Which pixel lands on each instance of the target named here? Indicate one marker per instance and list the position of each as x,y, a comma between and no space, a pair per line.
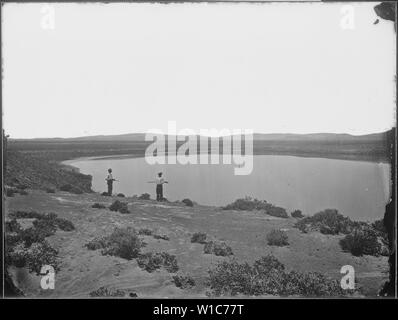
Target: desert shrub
145,196
105,194
64,225
119,206
183,281
268,276
107,292
22,186
121,195
277,238
361,241
50,190
46,227
34,257
98,206
329,221
250,204
11,191
188,202
145,231
122,242
13,226
97,243
161,236
152,261
66,187
20,214
199,237
297,214
217,248
45,223
32,235
23,192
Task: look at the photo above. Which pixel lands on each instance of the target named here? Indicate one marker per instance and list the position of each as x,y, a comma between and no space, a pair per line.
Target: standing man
109,180
159,186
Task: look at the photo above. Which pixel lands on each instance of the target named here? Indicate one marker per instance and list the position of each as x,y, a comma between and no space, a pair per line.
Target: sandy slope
83,271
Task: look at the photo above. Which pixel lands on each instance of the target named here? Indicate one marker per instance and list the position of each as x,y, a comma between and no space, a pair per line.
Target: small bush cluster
277,238
152,261
297,214
71,189
187,202
28,248
107,292
106,194
33,257
11,191
362,241
122,242
329,221
50,190
199,237
121,195
217,248
267,276
183,281
119,206
145,196
161,236
250,204
145,232
98,206
44,222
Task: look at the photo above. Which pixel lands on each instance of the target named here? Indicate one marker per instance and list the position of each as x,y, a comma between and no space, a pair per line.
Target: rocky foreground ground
83,271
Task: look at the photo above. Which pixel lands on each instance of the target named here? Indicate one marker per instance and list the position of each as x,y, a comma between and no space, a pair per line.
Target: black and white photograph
199,150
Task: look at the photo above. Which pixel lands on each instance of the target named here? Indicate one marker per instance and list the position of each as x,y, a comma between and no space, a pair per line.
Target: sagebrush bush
361,241
107,292
119,206
23,192
11,191
121,195
328,221
217,248
188,202
199,237
98,206
13,226
145,196
152,261
64,225
267,276
34,257
122,242
161,236
277,238
249,204
46,227
183,281
297,214
145,231
105,194
50,190
20,214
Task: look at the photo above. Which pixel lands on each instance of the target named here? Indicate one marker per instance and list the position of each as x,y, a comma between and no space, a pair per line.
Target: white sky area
125,68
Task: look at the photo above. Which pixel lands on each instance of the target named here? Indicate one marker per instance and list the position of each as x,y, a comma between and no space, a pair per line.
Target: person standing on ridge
159,186
109,180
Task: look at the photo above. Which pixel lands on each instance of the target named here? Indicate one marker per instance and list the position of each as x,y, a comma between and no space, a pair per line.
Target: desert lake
357,189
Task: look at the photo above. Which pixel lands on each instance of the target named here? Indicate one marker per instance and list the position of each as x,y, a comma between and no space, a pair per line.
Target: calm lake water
357,189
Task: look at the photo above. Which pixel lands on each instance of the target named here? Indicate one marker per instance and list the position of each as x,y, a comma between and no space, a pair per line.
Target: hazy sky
121,68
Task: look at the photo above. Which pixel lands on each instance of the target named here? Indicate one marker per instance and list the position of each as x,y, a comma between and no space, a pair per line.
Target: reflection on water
357,189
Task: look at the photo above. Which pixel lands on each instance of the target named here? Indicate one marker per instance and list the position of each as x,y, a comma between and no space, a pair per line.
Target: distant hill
257,137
